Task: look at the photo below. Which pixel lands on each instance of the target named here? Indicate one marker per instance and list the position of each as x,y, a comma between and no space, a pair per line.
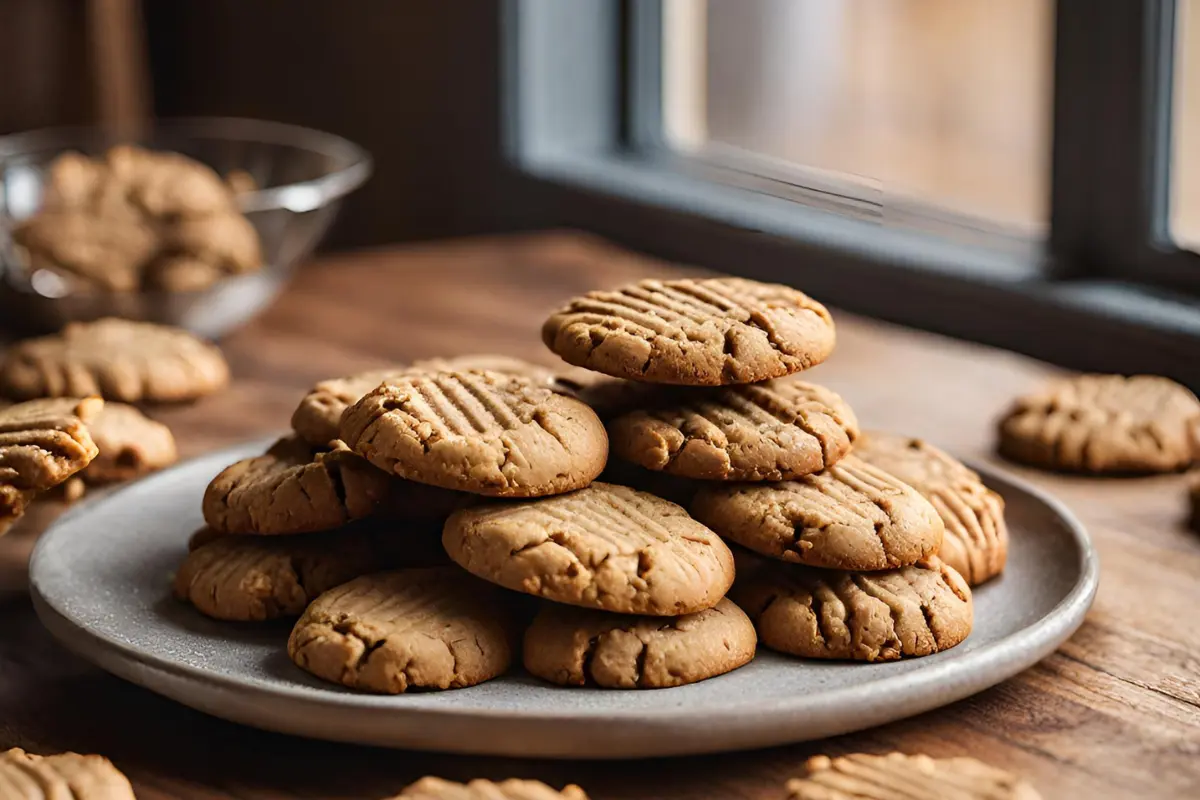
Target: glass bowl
302,176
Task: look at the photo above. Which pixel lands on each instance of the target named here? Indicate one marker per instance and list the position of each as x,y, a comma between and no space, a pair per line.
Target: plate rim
1010,654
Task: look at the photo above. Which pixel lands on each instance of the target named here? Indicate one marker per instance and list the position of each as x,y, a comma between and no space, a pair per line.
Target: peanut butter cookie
116,359
851,516
317,417
480,432
897,776
254,578
1104,424
42,444
576,647
606,547
294,489
131,445
24,776
392,632
693,332
976,540
874,616
770,431
513,789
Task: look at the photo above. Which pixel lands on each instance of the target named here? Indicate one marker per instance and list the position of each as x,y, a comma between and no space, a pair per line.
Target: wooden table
1114,713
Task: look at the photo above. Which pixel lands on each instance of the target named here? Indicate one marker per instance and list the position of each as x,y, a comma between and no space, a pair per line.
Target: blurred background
944,101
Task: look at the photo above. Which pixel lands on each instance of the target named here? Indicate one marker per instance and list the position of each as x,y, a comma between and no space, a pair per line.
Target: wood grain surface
1115,713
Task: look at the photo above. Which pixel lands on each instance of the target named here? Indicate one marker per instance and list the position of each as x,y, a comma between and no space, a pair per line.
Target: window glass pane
944,103
1185,161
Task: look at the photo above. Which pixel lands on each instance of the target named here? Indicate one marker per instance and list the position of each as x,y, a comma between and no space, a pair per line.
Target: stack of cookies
852,569
415,511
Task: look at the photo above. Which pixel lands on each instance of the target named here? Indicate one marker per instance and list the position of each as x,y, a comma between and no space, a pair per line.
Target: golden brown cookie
606,547
131,445
168,186
42,444
116,359
107,253
976,540
693,332
897,776
480,432
392,632
319,413
66,776
253,578
1104,424
873,616
294,489
513,789
577,647
851,516
770,431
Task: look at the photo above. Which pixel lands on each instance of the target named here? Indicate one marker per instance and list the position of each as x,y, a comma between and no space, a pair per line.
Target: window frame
581,106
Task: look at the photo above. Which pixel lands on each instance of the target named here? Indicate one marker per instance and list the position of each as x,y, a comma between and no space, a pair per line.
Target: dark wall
413,81
43,64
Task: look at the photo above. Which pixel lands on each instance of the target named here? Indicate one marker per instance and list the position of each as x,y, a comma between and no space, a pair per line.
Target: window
939,103
1185,168
1018,173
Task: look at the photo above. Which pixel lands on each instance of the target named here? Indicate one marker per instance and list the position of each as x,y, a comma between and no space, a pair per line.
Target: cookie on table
24,776
131,445
577,646
770,431
481,432
851,516
873,616
255,578
710,332
42,444
897,776
1104,424
606,547
116,359
294,489
976,539
392,632
513,789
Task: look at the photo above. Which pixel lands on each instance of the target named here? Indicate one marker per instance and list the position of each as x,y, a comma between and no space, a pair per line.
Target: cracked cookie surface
851,516
42,444
131,445
877,616
24,776
1104,424
392,632
606,547
480,432
976,538
117,359
317,417
577,647
770,431
710,332
512,789
294,489
897,776
253,578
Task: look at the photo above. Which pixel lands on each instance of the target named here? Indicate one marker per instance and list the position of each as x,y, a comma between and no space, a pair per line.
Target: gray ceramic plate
100,582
